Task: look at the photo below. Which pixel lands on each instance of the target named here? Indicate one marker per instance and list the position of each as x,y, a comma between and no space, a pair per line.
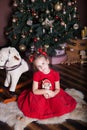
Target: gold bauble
58,6
22,47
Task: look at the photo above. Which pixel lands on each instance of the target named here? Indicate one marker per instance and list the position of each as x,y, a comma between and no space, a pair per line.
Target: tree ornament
75,9
38,38
32,48
30,30
15,37
21,10
29,22
69,17
72,2
32,0
74,15
51,29
58,6
15,4
34,14
47,11
69,3
46,46
62,23
43,30
75,26
56,39
35,39
14,20
37,17
64,11
56,17
44,0
65,26
22,1
48,22
23,36
6,33
22,47
75,1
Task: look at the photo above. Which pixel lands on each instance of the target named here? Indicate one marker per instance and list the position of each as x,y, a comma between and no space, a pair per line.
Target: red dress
37,106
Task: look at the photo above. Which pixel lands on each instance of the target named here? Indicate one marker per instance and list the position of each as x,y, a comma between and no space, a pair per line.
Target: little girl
46,99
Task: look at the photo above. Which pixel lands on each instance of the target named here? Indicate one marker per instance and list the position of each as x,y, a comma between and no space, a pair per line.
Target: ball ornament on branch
47,11
15,4
15,37
32,1
21,10
23,36
29,22
56,17
56,39
14,20
76,26
69,3
44,0
22,47
35,39
58,6
30,30
6,33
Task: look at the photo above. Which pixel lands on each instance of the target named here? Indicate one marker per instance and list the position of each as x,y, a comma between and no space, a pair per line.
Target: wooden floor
73,76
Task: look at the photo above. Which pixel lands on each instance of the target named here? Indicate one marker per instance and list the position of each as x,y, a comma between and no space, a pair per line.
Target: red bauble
56,17
35,40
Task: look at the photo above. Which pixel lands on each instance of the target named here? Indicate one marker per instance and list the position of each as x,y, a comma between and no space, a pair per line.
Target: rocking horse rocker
15,66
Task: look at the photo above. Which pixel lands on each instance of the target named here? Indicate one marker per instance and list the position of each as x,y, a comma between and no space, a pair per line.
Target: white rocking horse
15,66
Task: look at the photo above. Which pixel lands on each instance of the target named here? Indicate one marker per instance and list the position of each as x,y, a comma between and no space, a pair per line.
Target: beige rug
10,111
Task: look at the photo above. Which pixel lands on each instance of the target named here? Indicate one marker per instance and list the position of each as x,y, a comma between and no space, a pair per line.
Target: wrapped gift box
58,59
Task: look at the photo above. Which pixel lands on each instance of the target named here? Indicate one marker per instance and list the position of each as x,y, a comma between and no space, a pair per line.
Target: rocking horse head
9,58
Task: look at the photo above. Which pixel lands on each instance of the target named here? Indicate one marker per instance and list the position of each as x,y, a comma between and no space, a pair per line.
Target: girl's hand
49,94
46,96
52,93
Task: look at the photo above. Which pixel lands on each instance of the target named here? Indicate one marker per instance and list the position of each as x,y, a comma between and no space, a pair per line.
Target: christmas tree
46,24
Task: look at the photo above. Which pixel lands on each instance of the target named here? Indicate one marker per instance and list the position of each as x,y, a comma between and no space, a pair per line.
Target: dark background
6,8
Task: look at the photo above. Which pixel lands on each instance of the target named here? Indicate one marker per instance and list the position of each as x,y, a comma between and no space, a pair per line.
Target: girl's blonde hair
38,54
